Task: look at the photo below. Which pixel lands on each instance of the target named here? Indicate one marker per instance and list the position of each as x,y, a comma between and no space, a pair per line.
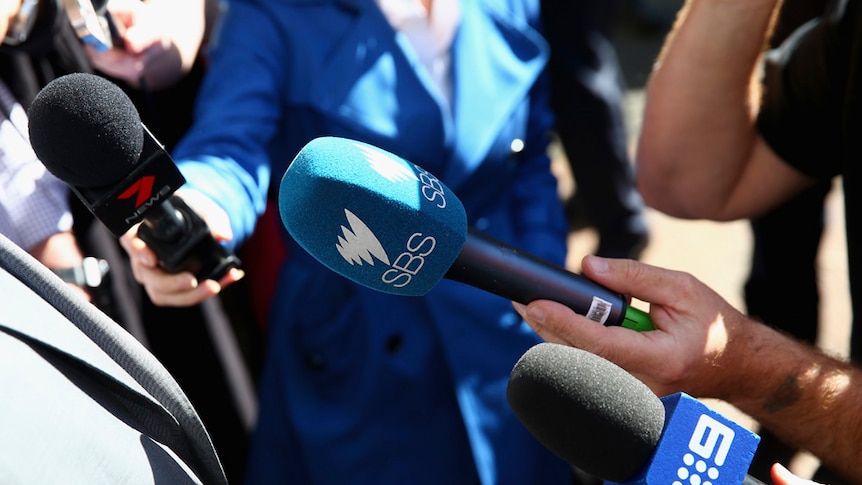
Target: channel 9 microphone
601,419
389,225
87,132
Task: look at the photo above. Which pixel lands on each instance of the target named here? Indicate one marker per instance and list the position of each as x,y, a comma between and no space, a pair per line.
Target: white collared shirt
33,202
430,34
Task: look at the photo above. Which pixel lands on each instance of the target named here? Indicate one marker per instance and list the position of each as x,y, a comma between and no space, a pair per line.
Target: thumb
216,218
783,476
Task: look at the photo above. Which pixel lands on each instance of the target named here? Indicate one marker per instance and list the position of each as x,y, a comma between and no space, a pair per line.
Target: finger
199,293
137,249
644,354
557,323
783,476
174,289
216,217
163,282
640,280
543,332
233,275
116,62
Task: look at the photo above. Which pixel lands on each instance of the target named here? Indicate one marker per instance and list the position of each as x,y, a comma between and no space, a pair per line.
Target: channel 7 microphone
389,225
87,132
598,417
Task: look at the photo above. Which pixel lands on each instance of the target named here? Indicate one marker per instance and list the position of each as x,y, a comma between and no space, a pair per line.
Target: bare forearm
702,345
807,398
60,250
698,131
8,11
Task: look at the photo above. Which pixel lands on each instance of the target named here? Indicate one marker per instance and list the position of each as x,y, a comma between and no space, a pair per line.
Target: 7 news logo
143,187
145,197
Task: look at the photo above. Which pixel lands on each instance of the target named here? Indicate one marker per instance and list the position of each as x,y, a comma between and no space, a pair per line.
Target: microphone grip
182,241
506,271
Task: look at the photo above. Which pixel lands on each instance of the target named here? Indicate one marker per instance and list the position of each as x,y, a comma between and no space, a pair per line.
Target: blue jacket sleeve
226,153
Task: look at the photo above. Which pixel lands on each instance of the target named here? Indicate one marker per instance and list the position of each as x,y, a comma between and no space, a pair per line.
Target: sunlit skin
180,289
159,41
703,346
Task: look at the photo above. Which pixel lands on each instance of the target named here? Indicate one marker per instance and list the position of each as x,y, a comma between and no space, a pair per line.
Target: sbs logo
358,244
396,171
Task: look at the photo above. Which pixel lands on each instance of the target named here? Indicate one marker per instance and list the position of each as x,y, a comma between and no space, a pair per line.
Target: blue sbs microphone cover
371,216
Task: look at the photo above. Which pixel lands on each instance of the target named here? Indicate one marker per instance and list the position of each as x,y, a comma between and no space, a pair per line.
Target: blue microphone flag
699,446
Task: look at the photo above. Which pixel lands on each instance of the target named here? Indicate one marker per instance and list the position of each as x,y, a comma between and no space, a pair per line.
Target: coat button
315,361
394,343
517,145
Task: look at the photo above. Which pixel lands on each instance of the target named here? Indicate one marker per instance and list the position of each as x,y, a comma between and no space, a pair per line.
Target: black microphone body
180,238
88,133
516,275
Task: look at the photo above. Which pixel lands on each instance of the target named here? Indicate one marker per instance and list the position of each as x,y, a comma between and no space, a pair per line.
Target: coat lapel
366,77
367,74
496,64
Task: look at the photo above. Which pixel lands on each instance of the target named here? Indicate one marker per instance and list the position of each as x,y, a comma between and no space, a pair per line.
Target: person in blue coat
360,386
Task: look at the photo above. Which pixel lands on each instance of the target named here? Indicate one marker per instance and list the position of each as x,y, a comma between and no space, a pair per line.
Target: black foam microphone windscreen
586,409
86,131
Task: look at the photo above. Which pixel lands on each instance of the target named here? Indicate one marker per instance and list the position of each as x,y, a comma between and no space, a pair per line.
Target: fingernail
536,314
598,265
520,308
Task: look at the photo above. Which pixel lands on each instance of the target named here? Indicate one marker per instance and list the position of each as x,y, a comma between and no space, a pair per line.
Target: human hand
688,347
160,40
180,289
8,12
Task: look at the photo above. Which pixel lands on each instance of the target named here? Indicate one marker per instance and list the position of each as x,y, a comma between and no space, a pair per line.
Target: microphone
87,132
391,226
598,417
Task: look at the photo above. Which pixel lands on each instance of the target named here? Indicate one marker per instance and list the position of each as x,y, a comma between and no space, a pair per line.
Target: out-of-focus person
360,386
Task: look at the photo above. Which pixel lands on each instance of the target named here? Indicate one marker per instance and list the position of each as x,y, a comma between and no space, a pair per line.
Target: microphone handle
506,271
182,241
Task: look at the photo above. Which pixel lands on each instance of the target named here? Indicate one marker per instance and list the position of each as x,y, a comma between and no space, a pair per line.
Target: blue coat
359,386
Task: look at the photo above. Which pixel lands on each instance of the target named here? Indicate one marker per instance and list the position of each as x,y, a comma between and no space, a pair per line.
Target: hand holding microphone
689,350
391,226
87,132
183,288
